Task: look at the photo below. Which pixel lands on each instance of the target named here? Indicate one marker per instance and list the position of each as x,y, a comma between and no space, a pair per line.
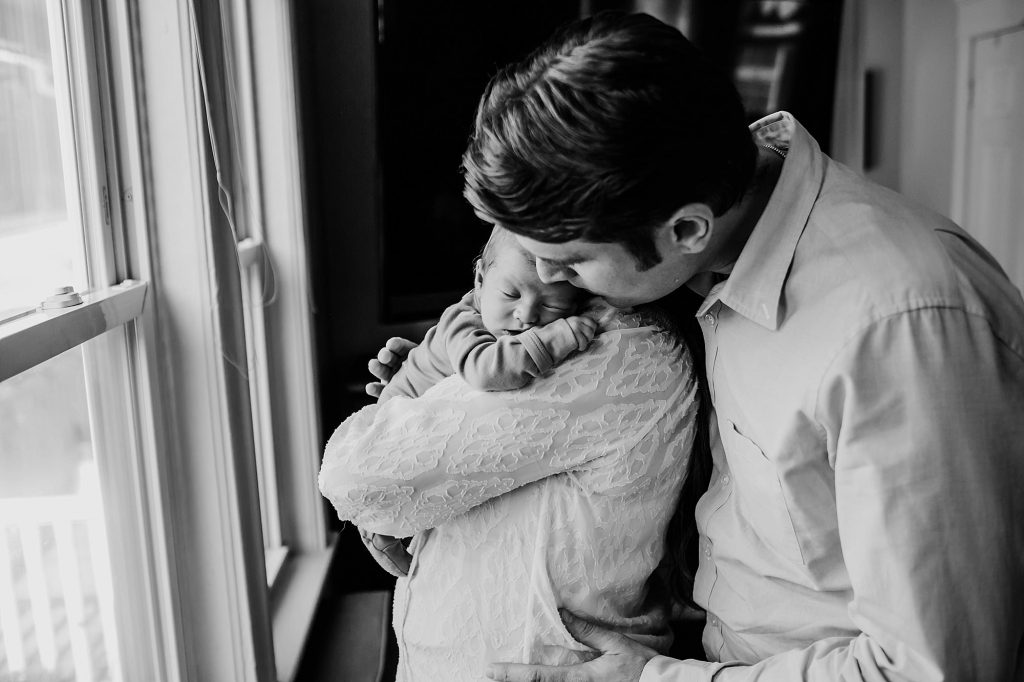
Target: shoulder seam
917,307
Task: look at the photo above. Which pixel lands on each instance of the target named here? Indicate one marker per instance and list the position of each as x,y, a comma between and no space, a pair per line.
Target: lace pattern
524,501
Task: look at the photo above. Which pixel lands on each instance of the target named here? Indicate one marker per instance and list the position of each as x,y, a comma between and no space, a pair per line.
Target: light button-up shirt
865,515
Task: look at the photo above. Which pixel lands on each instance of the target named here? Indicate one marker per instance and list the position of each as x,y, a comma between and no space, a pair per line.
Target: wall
928,102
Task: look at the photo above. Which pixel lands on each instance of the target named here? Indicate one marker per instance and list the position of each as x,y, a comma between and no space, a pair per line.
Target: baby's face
511,297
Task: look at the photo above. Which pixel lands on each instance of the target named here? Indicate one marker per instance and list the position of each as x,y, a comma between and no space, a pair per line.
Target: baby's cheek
548,317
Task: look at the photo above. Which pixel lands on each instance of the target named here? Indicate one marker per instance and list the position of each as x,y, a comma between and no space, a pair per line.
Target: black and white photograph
536,341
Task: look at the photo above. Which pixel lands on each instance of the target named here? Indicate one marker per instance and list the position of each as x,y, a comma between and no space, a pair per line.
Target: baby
509,330
519,502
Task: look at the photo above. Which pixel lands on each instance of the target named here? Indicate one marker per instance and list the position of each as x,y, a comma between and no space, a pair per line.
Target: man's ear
690,228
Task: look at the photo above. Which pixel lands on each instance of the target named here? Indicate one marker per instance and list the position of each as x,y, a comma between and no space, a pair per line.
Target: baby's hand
566,335
583,328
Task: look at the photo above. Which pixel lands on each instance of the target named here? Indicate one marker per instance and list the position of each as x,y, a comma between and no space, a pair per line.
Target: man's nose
549,273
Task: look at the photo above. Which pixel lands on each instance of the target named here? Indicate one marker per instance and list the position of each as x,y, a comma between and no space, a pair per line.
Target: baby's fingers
584,329
399,346
382,369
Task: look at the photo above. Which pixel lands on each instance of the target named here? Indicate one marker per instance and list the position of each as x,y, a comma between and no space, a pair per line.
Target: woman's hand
388,361
621,660
389,553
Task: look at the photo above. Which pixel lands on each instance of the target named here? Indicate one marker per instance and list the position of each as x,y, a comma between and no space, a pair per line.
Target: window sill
275,558
293,602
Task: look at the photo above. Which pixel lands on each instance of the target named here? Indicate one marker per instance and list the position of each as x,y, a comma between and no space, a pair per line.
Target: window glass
56,603
253,296
41,236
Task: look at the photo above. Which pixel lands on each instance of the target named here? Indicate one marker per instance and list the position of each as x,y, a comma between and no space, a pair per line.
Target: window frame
166,272
105,327
268,630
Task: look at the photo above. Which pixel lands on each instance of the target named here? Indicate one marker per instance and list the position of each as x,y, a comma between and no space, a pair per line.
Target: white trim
250,252
289,318
275,558
71,144
154,412
121,529
32,338
86,48
203,438
975,18
261,404
295,598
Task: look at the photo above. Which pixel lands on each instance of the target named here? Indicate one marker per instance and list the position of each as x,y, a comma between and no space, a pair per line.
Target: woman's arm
408,465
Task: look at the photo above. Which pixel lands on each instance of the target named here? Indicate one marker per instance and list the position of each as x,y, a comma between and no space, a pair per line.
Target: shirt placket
719,487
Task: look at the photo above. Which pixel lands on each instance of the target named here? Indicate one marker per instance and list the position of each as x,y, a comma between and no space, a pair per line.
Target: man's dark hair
605,131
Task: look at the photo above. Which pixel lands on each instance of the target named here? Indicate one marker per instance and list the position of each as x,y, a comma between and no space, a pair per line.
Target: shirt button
726,479
714,622
709,318
707,552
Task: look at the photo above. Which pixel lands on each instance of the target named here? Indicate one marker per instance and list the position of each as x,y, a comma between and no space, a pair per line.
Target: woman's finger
597,637
521,672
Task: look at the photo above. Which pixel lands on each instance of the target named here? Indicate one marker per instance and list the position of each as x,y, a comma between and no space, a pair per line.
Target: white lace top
525,501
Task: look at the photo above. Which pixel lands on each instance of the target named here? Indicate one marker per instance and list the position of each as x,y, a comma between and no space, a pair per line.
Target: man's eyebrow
563,262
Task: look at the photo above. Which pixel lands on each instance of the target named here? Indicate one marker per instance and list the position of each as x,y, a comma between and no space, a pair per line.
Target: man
865,359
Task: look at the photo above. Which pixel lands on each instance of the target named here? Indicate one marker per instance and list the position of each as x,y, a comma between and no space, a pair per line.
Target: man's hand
389,553
621,660
388,361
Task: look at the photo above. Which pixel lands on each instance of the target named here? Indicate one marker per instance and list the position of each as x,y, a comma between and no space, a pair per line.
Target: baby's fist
583,328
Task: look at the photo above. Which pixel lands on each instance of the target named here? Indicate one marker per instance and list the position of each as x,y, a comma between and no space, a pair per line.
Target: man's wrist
686,670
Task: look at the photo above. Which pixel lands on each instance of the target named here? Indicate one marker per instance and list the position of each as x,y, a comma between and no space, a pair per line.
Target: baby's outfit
460,344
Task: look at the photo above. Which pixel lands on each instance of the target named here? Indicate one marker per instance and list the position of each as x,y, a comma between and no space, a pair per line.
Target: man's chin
617,302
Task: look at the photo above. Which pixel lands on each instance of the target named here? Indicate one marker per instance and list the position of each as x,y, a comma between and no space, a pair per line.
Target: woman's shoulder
650,319
636,325
629,355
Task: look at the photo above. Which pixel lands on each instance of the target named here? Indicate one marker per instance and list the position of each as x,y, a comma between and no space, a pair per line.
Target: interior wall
338,72
866,120
927,126
882,35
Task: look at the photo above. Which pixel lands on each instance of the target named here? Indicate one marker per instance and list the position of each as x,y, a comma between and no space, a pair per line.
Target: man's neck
702,282
735,226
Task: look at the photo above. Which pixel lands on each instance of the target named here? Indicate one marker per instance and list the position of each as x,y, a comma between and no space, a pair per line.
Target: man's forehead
565,252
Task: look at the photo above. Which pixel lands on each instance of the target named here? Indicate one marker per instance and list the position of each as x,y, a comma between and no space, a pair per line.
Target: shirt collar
754,287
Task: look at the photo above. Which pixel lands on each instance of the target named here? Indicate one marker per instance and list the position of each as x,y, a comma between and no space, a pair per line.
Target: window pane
253,296
56,603
41,243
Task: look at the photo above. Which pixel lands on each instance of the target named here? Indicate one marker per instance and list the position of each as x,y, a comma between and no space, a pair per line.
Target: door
994,200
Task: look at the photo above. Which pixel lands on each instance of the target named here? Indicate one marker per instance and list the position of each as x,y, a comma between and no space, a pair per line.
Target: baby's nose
527,313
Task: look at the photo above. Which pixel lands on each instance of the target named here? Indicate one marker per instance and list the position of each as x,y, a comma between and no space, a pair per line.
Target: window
41,231
72,503
54,557
253,144
162,432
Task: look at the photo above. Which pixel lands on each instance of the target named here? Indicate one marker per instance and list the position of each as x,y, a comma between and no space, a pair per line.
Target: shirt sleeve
424,366
923,419
409,465
502,363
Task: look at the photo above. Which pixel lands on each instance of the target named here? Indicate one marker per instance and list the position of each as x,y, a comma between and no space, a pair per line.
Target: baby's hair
499,240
